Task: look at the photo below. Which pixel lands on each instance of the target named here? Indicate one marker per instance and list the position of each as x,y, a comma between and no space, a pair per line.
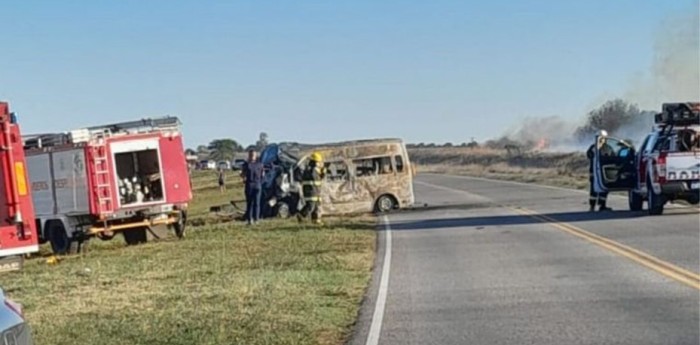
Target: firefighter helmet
316,157
603,133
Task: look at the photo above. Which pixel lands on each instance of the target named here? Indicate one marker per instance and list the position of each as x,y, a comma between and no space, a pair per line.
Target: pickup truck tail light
661,168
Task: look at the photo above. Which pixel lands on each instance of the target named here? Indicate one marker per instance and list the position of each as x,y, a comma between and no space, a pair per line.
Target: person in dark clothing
222,181
311,189
252,174
605,150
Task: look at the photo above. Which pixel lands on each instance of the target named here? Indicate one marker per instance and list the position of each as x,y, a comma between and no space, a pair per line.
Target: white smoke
675,69
674,76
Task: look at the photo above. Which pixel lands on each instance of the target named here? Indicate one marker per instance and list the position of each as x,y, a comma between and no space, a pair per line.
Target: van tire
282,210
635,200
655,202
58,237
385,204
135,236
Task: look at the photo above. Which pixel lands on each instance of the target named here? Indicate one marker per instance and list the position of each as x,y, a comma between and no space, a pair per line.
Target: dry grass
558,169
276,283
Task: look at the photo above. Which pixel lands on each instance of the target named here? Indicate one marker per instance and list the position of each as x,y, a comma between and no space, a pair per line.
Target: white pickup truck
666,168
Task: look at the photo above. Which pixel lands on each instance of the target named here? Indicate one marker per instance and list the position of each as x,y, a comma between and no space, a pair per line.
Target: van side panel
358,194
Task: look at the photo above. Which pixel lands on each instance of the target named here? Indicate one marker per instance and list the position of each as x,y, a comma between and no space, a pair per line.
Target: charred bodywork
362,176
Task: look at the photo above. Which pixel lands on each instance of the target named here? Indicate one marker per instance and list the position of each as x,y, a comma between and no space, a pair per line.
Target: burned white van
362,176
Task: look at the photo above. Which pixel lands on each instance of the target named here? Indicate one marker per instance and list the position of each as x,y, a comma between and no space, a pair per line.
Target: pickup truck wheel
655,202
635,200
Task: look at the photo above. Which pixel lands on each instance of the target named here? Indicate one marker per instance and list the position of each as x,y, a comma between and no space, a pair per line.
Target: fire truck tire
57,236
180,225
655,202
635,200
135,236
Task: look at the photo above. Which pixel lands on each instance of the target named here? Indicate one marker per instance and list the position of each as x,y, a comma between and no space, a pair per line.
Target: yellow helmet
317,157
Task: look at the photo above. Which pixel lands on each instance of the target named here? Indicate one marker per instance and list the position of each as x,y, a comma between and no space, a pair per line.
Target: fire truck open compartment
139,176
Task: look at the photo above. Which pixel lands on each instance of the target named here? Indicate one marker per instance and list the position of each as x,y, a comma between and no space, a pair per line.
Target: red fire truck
128,177
18,234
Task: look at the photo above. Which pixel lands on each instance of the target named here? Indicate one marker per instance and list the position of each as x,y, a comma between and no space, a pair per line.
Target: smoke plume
675,70
674,76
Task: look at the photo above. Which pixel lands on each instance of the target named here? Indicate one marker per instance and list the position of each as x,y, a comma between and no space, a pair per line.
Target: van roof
362,142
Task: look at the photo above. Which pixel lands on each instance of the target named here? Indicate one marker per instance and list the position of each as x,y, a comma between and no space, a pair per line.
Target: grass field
275,283
557,169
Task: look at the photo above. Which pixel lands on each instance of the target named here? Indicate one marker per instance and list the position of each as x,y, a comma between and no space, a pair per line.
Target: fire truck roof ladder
101,132
140,126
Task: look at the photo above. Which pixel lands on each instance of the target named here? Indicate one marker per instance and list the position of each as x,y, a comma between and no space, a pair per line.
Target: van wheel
135,236
282,210
635,200
385,204
655,202
60,242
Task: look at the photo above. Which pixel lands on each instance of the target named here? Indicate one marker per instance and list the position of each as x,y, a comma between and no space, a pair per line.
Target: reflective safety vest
311,183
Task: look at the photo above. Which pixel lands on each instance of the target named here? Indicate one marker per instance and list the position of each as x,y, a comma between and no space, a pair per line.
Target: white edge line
536,185
376,326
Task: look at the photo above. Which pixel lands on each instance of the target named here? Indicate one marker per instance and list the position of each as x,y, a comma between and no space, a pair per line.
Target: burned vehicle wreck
362,176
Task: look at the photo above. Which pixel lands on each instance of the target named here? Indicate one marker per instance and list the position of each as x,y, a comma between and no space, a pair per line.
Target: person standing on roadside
252,174
312,179
605,150
222,181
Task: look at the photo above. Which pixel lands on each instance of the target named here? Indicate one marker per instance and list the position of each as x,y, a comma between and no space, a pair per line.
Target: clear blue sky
428,71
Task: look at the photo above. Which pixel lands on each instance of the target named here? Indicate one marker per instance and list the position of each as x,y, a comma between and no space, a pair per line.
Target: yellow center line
665,268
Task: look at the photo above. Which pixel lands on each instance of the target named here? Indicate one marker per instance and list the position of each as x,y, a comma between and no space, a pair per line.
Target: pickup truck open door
614,165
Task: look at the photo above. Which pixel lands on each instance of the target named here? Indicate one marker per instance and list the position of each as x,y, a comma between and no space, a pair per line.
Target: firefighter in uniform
311,188
605,150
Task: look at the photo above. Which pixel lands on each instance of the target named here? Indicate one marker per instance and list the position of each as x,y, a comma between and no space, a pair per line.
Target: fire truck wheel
60,242
180,225
135,236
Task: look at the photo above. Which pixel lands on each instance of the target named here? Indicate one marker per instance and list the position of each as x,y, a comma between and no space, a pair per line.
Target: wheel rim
283,211
385,204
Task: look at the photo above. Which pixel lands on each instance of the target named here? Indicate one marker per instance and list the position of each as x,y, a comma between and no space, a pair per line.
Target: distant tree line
471,144
225,149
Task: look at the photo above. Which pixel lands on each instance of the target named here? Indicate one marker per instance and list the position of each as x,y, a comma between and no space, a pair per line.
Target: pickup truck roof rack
85,134
679,114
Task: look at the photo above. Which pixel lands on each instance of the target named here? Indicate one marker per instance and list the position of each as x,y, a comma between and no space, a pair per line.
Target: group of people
253,173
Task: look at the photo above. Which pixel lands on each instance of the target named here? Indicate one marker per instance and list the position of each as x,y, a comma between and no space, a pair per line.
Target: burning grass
276,283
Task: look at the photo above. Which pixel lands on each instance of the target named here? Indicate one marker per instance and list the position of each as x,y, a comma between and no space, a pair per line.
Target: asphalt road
491,262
